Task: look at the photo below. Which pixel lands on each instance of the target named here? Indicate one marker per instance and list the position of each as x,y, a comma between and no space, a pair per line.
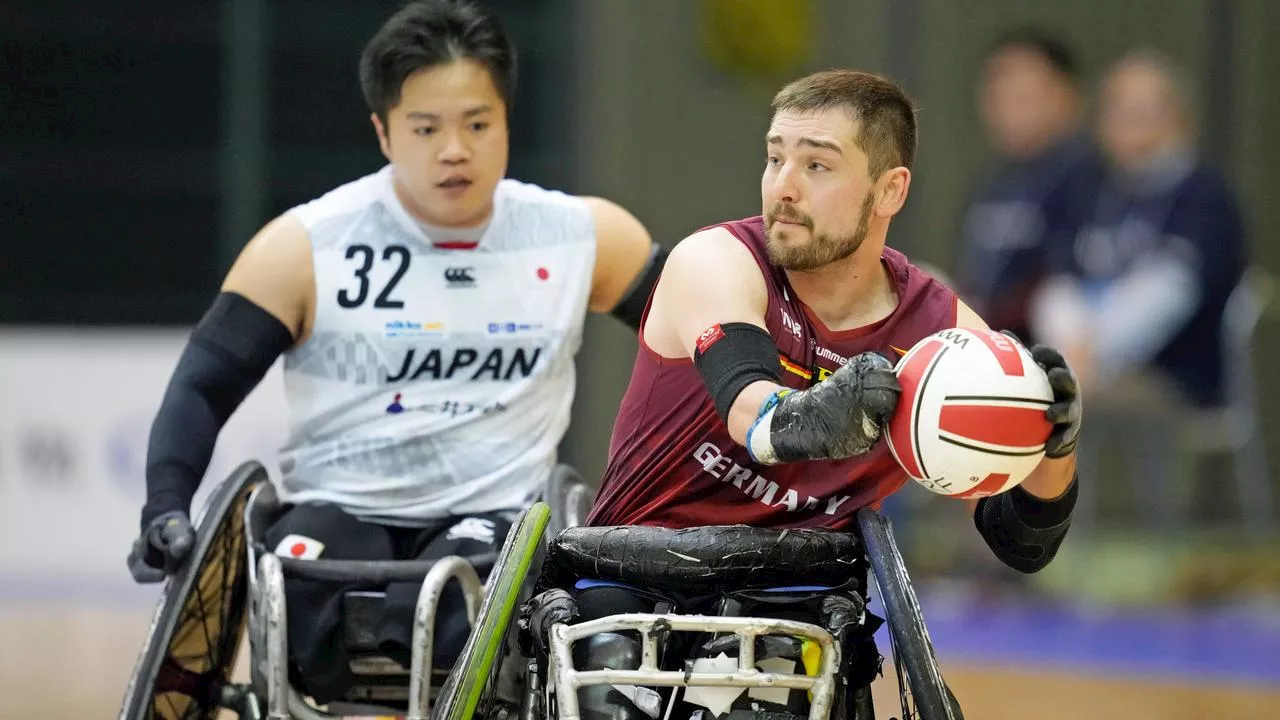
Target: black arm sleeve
743,354
630,309
228,353
1022,530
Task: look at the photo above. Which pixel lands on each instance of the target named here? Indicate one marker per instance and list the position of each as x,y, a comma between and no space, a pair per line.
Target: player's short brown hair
886,116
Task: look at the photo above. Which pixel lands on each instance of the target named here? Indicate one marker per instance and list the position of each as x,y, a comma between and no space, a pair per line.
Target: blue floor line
1220,646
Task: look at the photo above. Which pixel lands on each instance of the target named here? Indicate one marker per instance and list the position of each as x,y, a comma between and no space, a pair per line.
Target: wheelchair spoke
183,667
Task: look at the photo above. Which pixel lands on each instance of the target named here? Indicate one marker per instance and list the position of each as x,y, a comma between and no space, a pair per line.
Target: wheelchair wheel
196,629
912,649
480,659
569,497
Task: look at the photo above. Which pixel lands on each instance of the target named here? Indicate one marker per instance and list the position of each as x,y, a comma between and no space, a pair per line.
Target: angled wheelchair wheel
185,665
461,695
569,497
929,698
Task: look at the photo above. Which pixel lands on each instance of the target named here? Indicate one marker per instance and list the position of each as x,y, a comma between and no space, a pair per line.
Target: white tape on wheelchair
300,547
716,699
477,529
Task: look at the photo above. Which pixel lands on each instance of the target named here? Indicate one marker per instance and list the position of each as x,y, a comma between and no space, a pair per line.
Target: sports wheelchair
231,583
703,647
528,669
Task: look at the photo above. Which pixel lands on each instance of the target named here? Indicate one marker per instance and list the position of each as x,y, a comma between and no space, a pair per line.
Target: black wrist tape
733,356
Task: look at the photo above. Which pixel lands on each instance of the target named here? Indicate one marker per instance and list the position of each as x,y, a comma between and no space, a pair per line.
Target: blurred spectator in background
1145,281
1030,101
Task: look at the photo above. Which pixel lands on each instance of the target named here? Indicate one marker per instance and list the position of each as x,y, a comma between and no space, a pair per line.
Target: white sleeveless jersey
436,381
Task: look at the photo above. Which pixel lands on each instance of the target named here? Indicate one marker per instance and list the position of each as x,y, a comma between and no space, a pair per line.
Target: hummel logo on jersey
497,364
460,276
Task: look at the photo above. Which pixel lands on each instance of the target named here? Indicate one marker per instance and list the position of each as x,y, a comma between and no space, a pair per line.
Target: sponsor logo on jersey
828,355
500,363
452,408
789,324
412,328
511,328
460,277
759,488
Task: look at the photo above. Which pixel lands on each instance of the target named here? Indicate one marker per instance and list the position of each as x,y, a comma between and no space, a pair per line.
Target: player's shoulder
532,215
714,251
924,288
518,193
346,199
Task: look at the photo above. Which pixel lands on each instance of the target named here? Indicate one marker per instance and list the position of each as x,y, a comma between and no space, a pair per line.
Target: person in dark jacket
1030,100
1144,284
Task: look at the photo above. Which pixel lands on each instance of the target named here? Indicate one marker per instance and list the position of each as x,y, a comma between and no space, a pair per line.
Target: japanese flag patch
300,546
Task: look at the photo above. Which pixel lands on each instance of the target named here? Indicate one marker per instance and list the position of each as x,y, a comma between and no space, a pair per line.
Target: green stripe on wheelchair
495,617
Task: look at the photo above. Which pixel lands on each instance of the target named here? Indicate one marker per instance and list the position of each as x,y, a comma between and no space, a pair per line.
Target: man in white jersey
428,315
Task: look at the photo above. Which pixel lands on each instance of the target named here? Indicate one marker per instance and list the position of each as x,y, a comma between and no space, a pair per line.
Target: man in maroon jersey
725,420
763,379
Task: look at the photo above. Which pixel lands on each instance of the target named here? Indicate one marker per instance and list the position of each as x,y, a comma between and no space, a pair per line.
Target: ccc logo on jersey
460,276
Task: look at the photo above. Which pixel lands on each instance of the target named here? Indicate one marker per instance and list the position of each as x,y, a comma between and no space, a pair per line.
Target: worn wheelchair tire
906,623
185,663
477,665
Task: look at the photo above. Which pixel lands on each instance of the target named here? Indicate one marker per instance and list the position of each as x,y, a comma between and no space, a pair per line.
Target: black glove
839,417
1066,411
160,549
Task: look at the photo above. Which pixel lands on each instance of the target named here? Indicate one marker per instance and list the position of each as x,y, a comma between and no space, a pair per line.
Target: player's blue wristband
759,442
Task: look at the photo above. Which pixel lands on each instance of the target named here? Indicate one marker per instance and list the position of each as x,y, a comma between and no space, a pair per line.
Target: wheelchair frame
567,680
257,604
918,674
269,654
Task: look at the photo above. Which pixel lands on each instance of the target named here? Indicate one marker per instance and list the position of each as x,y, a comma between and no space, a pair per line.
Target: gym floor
60,660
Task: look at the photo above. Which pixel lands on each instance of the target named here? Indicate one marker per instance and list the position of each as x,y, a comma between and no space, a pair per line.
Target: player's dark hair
426,33
1052,49
886,116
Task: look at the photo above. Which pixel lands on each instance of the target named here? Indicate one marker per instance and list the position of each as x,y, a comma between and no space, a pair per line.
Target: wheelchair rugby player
428,316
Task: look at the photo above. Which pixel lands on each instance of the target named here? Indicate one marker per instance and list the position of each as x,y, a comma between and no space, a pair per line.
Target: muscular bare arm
710,278
274,271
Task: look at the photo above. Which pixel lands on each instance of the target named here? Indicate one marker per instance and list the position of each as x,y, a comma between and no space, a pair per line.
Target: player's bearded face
447,139
790,251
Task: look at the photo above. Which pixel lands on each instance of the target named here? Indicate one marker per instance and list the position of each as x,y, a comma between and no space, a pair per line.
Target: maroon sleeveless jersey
672,462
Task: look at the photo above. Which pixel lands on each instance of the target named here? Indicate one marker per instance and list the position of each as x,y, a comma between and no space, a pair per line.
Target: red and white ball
970,421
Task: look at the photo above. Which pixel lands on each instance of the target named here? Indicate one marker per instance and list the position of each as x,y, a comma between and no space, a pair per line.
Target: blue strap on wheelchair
585,583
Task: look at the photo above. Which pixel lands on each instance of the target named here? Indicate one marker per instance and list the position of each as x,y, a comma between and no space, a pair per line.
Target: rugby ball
970,421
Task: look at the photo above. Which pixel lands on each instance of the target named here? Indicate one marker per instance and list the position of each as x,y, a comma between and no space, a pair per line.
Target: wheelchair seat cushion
708,559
